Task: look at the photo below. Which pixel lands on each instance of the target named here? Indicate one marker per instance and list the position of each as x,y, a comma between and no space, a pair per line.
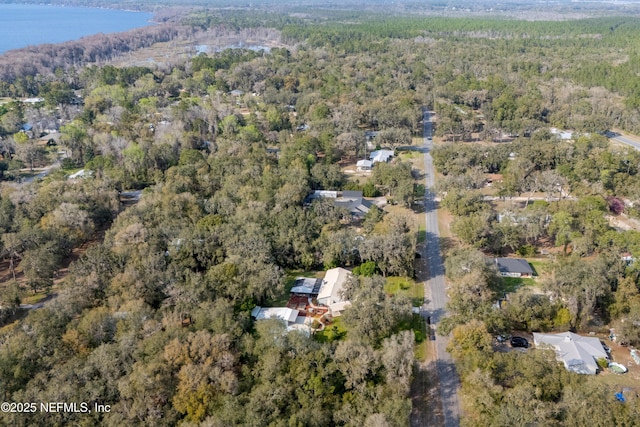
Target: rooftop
381,155
332,285
354,201
283,313
513,265
578,353
306,285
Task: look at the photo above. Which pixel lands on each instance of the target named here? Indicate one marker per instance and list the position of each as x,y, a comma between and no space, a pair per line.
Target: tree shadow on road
425,399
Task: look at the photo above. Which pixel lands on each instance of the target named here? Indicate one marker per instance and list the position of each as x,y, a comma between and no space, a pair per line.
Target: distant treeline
614,31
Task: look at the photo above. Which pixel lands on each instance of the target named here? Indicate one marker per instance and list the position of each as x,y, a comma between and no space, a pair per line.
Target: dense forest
147,298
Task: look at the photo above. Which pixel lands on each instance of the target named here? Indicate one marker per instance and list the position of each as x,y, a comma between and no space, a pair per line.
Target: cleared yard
335,331
511,284
406,287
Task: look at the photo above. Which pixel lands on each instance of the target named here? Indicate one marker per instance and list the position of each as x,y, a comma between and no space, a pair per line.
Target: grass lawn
511,284
421,350
539,266
407,154
335,331
290,279
617,381
32,298
419,328
407,287
422,233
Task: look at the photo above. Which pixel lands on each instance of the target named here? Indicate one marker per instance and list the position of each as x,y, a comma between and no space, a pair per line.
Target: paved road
42,174
435,287
627,141
527,199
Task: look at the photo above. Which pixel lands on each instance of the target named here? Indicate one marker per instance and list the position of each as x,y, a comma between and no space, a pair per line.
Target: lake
24,25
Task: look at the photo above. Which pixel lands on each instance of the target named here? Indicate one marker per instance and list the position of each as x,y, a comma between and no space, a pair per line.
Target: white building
562,134
364,165
337,308
579,354
285,314
331,286
381,156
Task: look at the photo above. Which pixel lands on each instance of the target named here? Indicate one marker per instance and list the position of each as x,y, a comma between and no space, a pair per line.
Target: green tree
39,266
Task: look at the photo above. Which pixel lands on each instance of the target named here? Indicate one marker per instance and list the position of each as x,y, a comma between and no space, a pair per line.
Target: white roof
300,327
578,353
78,174
338,307
364,163
287,314
381,155
564,134
332,284
324,193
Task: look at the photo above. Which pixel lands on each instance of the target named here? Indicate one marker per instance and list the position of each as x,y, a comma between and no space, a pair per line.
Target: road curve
436,288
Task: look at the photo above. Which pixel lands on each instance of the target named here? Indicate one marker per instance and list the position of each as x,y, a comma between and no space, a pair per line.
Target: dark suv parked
519,342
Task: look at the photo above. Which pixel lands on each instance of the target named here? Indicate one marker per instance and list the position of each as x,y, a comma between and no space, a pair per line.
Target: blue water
23,25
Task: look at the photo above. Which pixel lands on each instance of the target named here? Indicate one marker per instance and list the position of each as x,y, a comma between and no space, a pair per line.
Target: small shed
364,165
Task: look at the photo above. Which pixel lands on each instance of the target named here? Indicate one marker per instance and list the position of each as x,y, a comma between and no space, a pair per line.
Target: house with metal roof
306,286
579,354
513,267
354,202
330,290
381,156
286,314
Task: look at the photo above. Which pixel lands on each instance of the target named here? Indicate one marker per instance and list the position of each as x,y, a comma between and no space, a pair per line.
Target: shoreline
143,9
60,10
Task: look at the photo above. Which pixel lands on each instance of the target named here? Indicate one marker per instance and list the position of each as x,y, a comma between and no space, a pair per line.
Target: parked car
519,342
502,338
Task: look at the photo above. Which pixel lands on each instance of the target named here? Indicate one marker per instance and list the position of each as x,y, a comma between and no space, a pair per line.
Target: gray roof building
354,201
579,354
514,267
306,286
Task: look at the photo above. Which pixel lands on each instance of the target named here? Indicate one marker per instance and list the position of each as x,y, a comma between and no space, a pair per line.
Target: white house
286,314
562,134
381,156
579,354
331,286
